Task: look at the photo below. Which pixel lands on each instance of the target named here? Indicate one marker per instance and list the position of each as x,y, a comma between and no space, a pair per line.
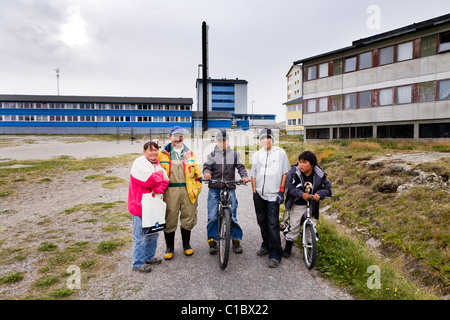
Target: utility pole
205,74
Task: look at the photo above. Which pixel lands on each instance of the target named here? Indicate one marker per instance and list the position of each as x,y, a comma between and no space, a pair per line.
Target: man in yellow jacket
181,196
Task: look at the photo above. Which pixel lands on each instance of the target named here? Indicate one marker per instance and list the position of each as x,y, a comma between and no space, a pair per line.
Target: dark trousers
267,215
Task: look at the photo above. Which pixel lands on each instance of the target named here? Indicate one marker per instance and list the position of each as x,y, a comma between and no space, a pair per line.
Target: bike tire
309,247
224,237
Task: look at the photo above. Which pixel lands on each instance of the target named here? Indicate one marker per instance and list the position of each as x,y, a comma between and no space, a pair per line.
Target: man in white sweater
270,166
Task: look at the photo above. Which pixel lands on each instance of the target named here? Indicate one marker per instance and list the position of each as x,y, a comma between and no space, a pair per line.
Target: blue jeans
144,245
267,216
213,214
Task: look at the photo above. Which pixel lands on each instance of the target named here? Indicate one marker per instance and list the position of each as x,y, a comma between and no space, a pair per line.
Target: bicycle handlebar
222,183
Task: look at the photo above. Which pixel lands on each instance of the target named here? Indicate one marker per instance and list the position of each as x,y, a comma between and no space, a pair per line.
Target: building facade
392,85
294,104
230,95
91,115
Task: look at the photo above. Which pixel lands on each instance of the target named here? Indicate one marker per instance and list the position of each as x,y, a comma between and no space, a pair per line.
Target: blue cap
177,130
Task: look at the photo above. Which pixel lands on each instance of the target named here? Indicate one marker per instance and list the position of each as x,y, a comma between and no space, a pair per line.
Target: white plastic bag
153,213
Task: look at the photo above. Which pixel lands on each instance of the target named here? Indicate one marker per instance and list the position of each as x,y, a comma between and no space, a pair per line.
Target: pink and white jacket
145,177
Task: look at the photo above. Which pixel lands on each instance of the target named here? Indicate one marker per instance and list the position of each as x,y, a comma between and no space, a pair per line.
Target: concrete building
391,85
91,114
294,104
230,95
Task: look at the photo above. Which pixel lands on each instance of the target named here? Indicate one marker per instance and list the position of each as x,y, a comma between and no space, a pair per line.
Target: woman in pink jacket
146,176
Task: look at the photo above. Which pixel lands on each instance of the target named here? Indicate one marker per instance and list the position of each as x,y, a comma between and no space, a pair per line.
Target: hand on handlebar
206,176
307,197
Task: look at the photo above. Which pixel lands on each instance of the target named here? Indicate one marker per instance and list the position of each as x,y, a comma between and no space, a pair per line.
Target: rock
374,243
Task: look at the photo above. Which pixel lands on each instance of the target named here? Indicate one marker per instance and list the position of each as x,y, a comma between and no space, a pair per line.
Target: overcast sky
152,48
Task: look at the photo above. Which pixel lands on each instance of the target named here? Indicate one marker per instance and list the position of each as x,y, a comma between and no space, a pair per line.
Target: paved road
200,277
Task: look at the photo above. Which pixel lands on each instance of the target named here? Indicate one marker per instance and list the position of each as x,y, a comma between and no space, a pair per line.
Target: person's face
266,143
176,139
151,153
305,166
222,144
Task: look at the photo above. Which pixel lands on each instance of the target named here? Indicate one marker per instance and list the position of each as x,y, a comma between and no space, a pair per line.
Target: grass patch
347,261
11,278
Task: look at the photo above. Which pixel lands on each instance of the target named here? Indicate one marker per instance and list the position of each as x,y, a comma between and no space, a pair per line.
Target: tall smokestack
205,74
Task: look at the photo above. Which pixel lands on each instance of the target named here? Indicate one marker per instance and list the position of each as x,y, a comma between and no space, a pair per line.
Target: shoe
237,246
262,252
155,261
212,246
170,245
273,263
287,249
186,237
144,269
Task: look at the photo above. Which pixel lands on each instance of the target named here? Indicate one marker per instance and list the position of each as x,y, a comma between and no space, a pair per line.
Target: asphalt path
199,277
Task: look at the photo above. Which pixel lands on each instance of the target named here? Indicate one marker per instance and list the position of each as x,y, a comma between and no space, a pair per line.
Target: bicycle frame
224,220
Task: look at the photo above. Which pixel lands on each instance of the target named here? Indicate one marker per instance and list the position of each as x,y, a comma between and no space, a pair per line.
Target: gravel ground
187,278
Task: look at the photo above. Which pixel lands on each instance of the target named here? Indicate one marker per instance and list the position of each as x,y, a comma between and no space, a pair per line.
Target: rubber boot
287,249
170,245
186,238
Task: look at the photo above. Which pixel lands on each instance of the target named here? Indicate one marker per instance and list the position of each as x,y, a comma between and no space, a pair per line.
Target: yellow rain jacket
192,171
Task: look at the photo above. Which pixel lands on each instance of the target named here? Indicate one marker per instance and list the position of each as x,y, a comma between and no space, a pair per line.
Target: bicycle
309,232
224,220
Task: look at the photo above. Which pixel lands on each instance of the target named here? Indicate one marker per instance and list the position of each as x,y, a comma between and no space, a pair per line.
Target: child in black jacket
300,174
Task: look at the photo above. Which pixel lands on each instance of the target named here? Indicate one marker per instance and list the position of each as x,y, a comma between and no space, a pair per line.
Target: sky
152,48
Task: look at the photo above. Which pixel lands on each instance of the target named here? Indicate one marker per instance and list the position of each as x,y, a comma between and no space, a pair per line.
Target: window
385,97
336,104
386,55
365,99
311,106
299,121
427,91
350,101
323,104
444,42
444,89
404,94
323,70
405,51
365,60
312,73
350,64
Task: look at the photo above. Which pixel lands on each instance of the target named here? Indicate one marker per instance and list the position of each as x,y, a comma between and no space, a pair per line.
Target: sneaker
273,263
154,261
144,269
262,252
212,246
237,246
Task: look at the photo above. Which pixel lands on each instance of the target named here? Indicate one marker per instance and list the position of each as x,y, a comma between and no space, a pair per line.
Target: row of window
294,107
294,122
101,106
419,92
92,118
404,131
378,57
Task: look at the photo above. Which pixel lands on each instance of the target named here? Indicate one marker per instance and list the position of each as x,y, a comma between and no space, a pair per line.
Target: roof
237,80
415,27
298,100
93,99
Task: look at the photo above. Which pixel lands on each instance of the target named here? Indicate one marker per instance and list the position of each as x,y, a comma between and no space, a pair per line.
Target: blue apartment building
49,114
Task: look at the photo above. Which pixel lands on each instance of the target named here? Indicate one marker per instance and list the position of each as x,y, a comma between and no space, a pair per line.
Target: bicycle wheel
224,237
309,246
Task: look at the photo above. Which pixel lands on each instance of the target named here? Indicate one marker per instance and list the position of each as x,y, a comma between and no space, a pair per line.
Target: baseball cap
222,135
266,133
177,130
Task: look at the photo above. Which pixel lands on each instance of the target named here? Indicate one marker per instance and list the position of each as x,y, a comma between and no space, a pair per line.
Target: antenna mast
57,78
